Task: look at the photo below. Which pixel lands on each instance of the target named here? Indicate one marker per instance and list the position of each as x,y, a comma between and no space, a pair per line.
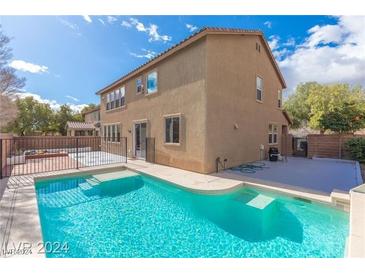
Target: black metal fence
35,154
150,150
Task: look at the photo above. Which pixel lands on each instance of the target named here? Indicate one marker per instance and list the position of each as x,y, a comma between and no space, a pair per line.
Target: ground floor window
273,134
111,133
172,129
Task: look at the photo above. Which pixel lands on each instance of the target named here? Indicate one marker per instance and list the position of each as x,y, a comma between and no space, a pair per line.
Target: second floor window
139,85
279,98
152,82
259,88
122,96
115,98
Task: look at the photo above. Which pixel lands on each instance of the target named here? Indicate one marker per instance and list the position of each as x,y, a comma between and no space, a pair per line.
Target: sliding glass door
140,131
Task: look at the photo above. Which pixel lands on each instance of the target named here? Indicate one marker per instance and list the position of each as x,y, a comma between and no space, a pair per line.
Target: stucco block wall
232,66
329,145
92,117
181,84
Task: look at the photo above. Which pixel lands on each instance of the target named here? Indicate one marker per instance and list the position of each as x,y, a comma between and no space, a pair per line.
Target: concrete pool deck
318,175
19,219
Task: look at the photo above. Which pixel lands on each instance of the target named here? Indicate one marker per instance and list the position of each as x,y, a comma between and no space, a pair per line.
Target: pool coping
14,228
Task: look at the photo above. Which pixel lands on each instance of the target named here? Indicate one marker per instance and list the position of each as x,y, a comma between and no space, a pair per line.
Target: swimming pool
126,214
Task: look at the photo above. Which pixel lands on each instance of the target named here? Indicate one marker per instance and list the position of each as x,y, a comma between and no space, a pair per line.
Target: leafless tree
8,110
10,83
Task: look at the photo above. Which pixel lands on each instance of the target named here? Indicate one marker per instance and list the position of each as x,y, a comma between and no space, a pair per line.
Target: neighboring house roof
91,110
80,125
360,132
187,41
303,132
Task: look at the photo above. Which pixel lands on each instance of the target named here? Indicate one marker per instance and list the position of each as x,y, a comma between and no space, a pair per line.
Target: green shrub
356,147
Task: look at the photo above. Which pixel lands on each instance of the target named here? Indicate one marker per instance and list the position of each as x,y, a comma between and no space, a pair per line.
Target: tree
8,111
297,106
9,82
88,107
64,115
315,105
331,98
32,117
349,118
36,117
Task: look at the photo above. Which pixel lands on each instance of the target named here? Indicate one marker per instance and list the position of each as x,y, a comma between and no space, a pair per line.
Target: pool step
114,175
88,189
260,201
85,186
93,181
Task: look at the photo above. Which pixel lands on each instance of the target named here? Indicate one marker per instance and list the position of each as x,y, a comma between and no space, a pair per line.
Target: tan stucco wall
181,82
212,83
232,66
91,117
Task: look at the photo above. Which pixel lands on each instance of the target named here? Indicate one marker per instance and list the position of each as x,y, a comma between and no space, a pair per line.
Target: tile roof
190,39
80,125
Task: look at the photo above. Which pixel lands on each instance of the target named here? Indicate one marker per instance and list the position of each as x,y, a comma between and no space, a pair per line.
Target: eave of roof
91,110
287,117
187,41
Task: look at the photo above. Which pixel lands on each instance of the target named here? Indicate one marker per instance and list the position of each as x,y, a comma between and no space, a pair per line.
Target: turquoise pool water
141,216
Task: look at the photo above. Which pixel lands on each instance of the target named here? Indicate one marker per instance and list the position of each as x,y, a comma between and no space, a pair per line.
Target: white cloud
191,28
126,24
111,19
87,18
268,24
147,54
71,26
72,98
290,42
279,54
101,21
155,36
330,53
274,42
139,26
323,34
151,30
28,67
52,103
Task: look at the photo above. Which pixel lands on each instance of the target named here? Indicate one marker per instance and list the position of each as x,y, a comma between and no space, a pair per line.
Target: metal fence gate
150,150
36,154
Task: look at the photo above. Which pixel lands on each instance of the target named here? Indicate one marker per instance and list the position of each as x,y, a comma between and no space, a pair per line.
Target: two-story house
218,93
90,126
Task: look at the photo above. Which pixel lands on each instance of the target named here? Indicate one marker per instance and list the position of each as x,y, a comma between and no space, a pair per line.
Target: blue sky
66,59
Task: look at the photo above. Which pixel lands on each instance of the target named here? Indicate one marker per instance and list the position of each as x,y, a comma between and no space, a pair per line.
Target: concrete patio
316,175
